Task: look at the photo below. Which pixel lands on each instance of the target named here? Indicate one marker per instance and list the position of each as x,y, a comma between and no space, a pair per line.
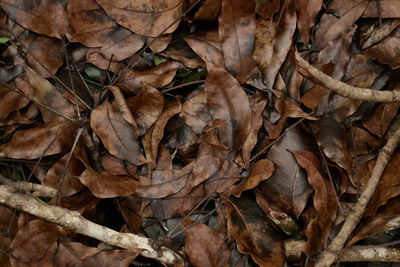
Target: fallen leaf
47,17
236,29
307,11
150,18
195,111
204,247
117,135
253,233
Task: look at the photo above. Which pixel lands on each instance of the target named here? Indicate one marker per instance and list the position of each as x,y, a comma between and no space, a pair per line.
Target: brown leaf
47,17
332,138
117,135
160,43
43,140
208,11
156,77
324,198
381,118
49,52
116,166
288,188
10,101
236,29
150,18
153,136
273,40
71,184
35,243
105,185
204,247
262,170
389,9
307,11
146,107
386,51
195,111
253,233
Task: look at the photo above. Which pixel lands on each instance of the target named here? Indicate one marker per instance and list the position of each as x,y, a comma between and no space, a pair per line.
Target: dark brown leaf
10,101
105,185
47,17
307,10
288,188
236,29
195,111
117,135
253,233
273,39
150,18
204,247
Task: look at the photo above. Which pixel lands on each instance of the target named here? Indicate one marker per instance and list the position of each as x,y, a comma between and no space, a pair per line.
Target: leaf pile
188,122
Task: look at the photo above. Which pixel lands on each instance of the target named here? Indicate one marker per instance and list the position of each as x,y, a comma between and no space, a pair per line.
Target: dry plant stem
38,189
329,256
77,223
293,250
342,88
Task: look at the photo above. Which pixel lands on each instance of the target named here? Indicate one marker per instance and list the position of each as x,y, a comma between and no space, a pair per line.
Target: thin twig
328,256
341,88
181,86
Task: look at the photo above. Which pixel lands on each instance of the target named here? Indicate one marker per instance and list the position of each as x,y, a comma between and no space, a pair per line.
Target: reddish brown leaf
47,17
324,198
116,166
71,183
273,40
253,233
48,52
156,77
236,29
150,18
195,111
105,185
208,11
381,118
262,170
43,140
288,188
204,247
153,136
389,9
35,243
146,107
159,44
117,135
10,101
307,10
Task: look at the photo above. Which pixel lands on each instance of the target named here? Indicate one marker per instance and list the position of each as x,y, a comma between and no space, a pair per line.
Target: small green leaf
4,39
95,73
158,60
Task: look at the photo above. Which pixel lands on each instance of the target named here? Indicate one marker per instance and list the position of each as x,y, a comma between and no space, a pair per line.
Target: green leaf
95,73
4,39
158,60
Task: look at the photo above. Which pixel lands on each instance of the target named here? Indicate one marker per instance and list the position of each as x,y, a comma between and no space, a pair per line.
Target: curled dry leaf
146,107
48,17
237,23
105,185
150,18
273,40
262,170
117,135
288,188
156,77
324,198
204,247
10,101
307,11
253,233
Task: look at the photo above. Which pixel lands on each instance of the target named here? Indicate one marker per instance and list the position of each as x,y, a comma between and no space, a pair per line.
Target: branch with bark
10,195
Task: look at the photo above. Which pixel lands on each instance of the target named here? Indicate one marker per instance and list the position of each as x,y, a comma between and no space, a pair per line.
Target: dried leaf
195,111
105,185
236,30
307,11
253,233
150,18
47,17
117,135
204,247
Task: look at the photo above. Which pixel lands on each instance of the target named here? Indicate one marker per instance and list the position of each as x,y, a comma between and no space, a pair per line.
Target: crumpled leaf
253,233
150,18
307,10
236,30
47,17
105,185
117,135
204,247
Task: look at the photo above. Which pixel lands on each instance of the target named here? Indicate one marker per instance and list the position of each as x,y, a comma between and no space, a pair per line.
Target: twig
294,249
342,88
328,256
38,189
74,221
181,86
